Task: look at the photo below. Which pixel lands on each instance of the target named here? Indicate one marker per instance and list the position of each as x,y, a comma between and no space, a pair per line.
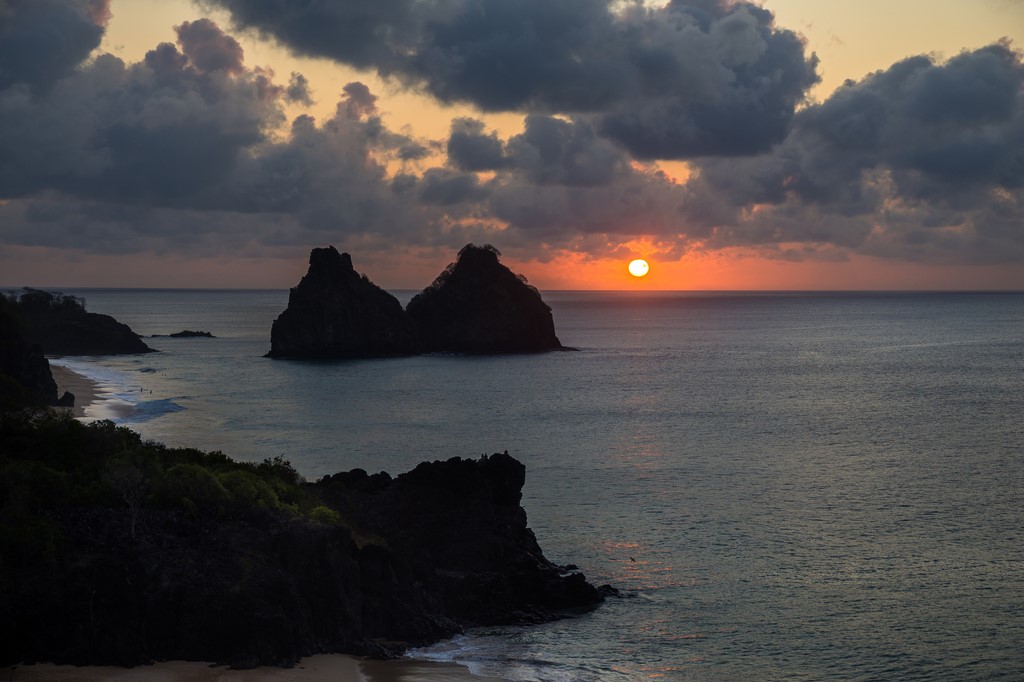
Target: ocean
800,486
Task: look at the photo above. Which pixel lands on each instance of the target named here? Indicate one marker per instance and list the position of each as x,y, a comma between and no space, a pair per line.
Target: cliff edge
117,551
60,325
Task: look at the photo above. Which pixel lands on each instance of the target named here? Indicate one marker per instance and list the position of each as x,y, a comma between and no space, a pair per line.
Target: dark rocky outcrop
477,305
25,377
461,525
335,312
188,334
247,564
60,325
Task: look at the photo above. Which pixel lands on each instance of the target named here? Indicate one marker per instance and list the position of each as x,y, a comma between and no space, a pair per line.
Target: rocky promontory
117,551
25,376
336,312
60,325
477,305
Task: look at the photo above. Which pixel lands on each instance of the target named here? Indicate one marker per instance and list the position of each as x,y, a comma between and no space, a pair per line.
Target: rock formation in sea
336,312
60,325
119,552
188,334
477,305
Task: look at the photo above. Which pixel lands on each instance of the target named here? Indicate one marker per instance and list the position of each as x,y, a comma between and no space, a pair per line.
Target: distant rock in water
477,305
60,325
335,312
188,334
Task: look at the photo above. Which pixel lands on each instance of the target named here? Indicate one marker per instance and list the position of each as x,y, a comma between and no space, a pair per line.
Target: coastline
85,390
319,668
93,400
89,394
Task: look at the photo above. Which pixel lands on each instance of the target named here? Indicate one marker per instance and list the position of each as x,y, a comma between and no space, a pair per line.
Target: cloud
208,48
188,150
43,40
922,161
704,77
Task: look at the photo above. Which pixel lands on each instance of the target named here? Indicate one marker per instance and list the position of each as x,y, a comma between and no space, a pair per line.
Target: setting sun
638,267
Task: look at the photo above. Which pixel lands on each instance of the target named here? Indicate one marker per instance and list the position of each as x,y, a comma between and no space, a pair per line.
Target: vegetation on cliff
116,550
60,325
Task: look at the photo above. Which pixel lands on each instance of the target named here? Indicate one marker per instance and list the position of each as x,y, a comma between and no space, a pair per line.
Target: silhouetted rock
60,325
189,334
477,305
248,564
25,377
460,525
336,313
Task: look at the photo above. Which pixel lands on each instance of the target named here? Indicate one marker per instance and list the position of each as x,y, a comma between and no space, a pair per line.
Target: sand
85,390
322,668
92,399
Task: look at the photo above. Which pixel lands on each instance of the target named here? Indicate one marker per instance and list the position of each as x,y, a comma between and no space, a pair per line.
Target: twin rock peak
476,305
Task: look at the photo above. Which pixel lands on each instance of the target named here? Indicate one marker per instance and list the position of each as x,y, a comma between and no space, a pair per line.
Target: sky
783,144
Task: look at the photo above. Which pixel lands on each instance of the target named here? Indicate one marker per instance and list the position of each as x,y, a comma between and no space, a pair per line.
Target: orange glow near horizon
718,271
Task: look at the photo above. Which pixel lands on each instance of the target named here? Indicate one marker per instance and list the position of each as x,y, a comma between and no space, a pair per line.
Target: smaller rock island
477,305
188,334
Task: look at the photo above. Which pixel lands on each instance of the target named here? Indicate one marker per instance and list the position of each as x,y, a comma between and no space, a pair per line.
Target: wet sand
322,668
89,394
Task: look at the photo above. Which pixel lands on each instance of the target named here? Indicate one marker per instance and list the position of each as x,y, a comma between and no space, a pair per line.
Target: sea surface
800,486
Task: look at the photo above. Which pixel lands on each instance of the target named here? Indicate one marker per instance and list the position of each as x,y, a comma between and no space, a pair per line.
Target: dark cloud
208,48
188,150
298,90
471,149
923,161
703,77
445,188
43,40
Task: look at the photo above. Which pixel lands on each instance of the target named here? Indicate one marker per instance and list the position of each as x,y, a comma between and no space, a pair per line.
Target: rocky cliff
60,325
335,312
477,305
25,377
119,551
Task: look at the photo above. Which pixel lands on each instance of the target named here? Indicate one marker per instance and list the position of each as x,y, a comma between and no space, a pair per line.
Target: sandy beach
322,668
85,390
92,399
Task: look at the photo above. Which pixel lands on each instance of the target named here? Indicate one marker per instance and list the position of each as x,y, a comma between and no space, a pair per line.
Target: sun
638,267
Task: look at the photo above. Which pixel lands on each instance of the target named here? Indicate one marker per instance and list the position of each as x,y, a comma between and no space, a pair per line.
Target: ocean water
783,486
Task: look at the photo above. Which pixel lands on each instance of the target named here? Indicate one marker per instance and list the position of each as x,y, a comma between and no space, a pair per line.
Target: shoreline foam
319,668
93,400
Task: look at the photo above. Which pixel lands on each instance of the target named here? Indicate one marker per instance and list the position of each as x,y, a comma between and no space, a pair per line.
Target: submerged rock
336,312
477,305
